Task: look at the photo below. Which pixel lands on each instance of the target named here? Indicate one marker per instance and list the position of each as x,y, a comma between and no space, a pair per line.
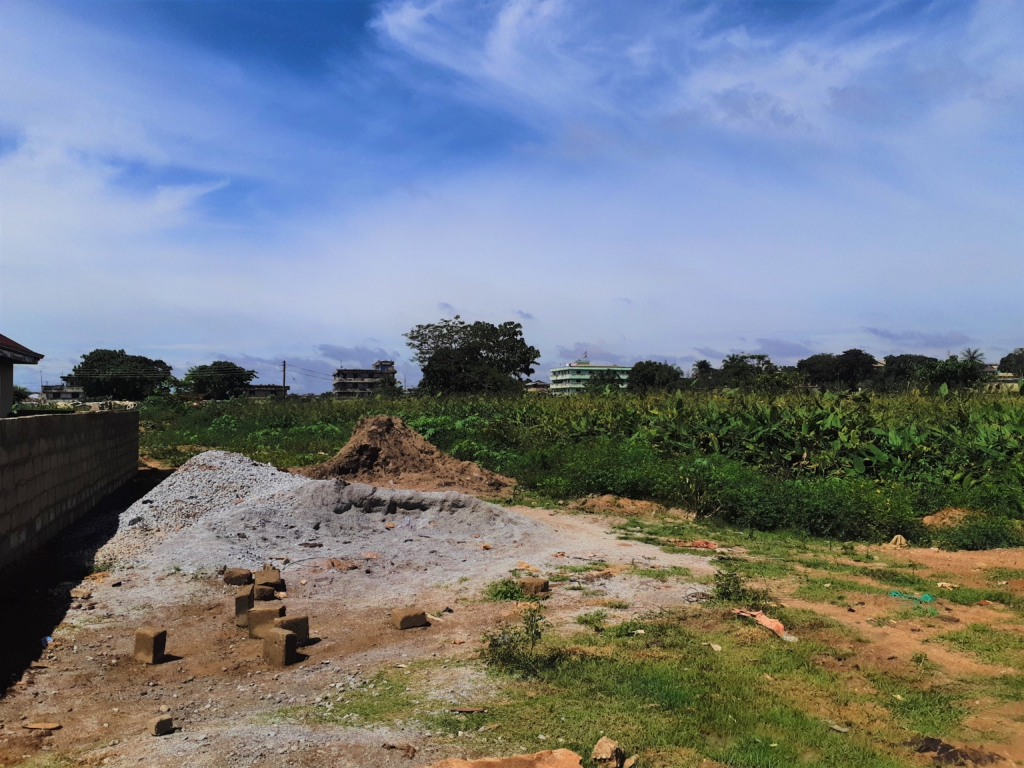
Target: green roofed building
572,378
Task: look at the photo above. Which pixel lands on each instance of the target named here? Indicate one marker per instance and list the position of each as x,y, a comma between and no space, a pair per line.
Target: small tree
114,374
220,380
20,393
972,355
603,383
652,376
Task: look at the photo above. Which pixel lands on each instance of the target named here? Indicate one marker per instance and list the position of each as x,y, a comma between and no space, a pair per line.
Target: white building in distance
572,378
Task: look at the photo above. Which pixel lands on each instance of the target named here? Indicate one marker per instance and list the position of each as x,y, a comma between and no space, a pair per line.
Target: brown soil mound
945,518
384,451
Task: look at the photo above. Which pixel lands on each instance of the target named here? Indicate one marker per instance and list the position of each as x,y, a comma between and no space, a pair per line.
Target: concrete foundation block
150,644
238,576
280,647
533,586
161,726
261,619
407,618
270,577
263,592
244,600
297,624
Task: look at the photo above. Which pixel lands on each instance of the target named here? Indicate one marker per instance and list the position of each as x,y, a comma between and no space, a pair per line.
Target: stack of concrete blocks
281,635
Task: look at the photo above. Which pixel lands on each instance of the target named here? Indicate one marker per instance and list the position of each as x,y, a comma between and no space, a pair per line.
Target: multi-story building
359,382
572,378
62,392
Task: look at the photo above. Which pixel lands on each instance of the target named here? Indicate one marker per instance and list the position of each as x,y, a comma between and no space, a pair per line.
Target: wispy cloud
524,315
921,339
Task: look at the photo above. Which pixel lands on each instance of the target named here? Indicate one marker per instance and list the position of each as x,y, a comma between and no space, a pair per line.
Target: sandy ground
219,690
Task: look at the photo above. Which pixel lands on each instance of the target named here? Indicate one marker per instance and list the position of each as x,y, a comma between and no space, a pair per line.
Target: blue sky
259,181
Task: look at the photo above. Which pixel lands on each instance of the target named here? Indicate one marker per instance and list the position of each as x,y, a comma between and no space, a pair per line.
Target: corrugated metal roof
17,352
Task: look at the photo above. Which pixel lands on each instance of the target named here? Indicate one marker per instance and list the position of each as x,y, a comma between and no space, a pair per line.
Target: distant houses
361,382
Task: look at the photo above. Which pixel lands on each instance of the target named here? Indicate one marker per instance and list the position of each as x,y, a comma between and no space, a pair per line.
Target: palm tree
970,355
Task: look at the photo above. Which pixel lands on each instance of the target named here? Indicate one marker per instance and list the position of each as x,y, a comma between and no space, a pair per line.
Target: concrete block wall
54,468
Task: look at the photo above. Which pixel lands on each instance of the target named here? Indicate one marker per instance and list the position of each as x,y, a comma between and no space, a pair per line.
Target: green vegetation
114,374
504,590
995,646
846,467
220,380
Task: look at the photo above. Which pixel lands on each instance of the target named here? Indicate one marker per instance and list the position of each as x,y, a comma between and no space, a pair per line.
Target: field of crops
844,466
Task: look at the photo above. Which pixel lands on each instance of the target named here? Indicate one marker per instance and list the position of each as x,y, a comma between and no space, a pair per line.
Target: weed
617,605
504,590
595,620
661,574
731,587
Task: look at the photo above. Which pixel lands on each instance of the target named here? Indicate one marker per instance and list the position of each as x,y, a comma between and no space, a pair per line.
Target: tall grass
853,466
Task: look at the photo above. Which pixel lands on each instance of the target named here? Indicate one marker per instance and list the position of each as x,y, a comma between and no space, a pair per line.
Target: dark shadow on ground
37,592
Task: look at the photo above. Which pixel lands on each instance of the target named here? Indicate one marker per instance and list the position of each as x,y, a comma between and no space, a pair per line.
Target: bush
981,532
514,649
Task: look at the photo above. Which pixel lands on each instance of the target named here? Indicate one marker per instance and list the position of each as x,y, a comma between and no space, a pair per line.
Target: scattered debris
407,750
947,754
767,622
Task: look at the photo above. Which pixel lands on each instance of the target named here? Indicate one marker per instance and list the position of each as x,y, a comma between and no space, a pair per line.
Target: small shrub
731,587
595,620
504,590
514,649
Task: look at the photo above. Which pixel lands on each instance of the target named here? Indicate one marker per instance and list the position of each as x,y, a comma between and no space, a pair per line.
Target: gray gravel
225,509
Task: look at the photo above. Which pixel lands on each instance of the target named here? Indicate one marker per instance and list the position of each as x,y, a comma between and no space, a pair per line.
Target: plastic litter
46,641
767,622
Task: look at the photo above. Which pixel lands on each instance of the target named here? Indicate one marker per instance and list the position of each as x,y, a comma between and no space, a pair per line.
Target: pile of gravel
225,509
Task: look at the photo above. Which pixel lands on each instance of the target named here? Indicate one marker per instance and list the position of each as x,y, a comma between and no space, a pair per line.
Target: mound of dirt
384,451
945,518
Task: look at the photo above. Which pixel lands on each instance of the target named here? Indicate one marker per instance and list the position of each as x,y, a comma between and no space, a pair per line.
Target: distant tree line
849,370
113,374
457,357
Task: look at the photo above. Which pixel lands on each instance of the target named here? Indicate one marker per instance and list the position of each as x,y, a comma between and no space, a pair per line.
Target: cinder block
262,619
161,726
297,624
270,577
244,600
150,643
280,647
263,592
407,618
533,586
237,576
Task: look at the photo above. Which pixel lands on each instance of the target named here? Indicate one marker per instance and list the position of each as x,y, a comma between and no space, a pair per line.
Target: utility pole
284,378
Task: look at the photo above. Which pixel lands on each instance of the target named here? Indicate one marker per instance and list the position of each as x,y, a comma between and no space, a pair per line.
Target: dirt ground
220,692
222,695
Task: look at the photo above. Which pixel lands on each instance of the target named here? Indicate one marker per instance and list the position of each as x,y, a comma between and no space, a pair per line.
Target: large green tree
114,374
1013,362
220,380
458,357
904,371
847,370
652,376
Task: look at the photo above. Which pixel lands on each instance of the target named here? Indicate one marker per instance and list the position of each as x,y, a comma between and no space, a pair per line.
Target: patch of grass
665,692
504,590
832,591
593,565
995,646
661,574
382,699
1003,574
617,605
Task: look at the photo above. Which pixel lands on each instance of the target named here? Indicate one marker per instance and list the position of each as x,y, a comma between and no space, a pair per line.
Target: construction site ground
367,694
